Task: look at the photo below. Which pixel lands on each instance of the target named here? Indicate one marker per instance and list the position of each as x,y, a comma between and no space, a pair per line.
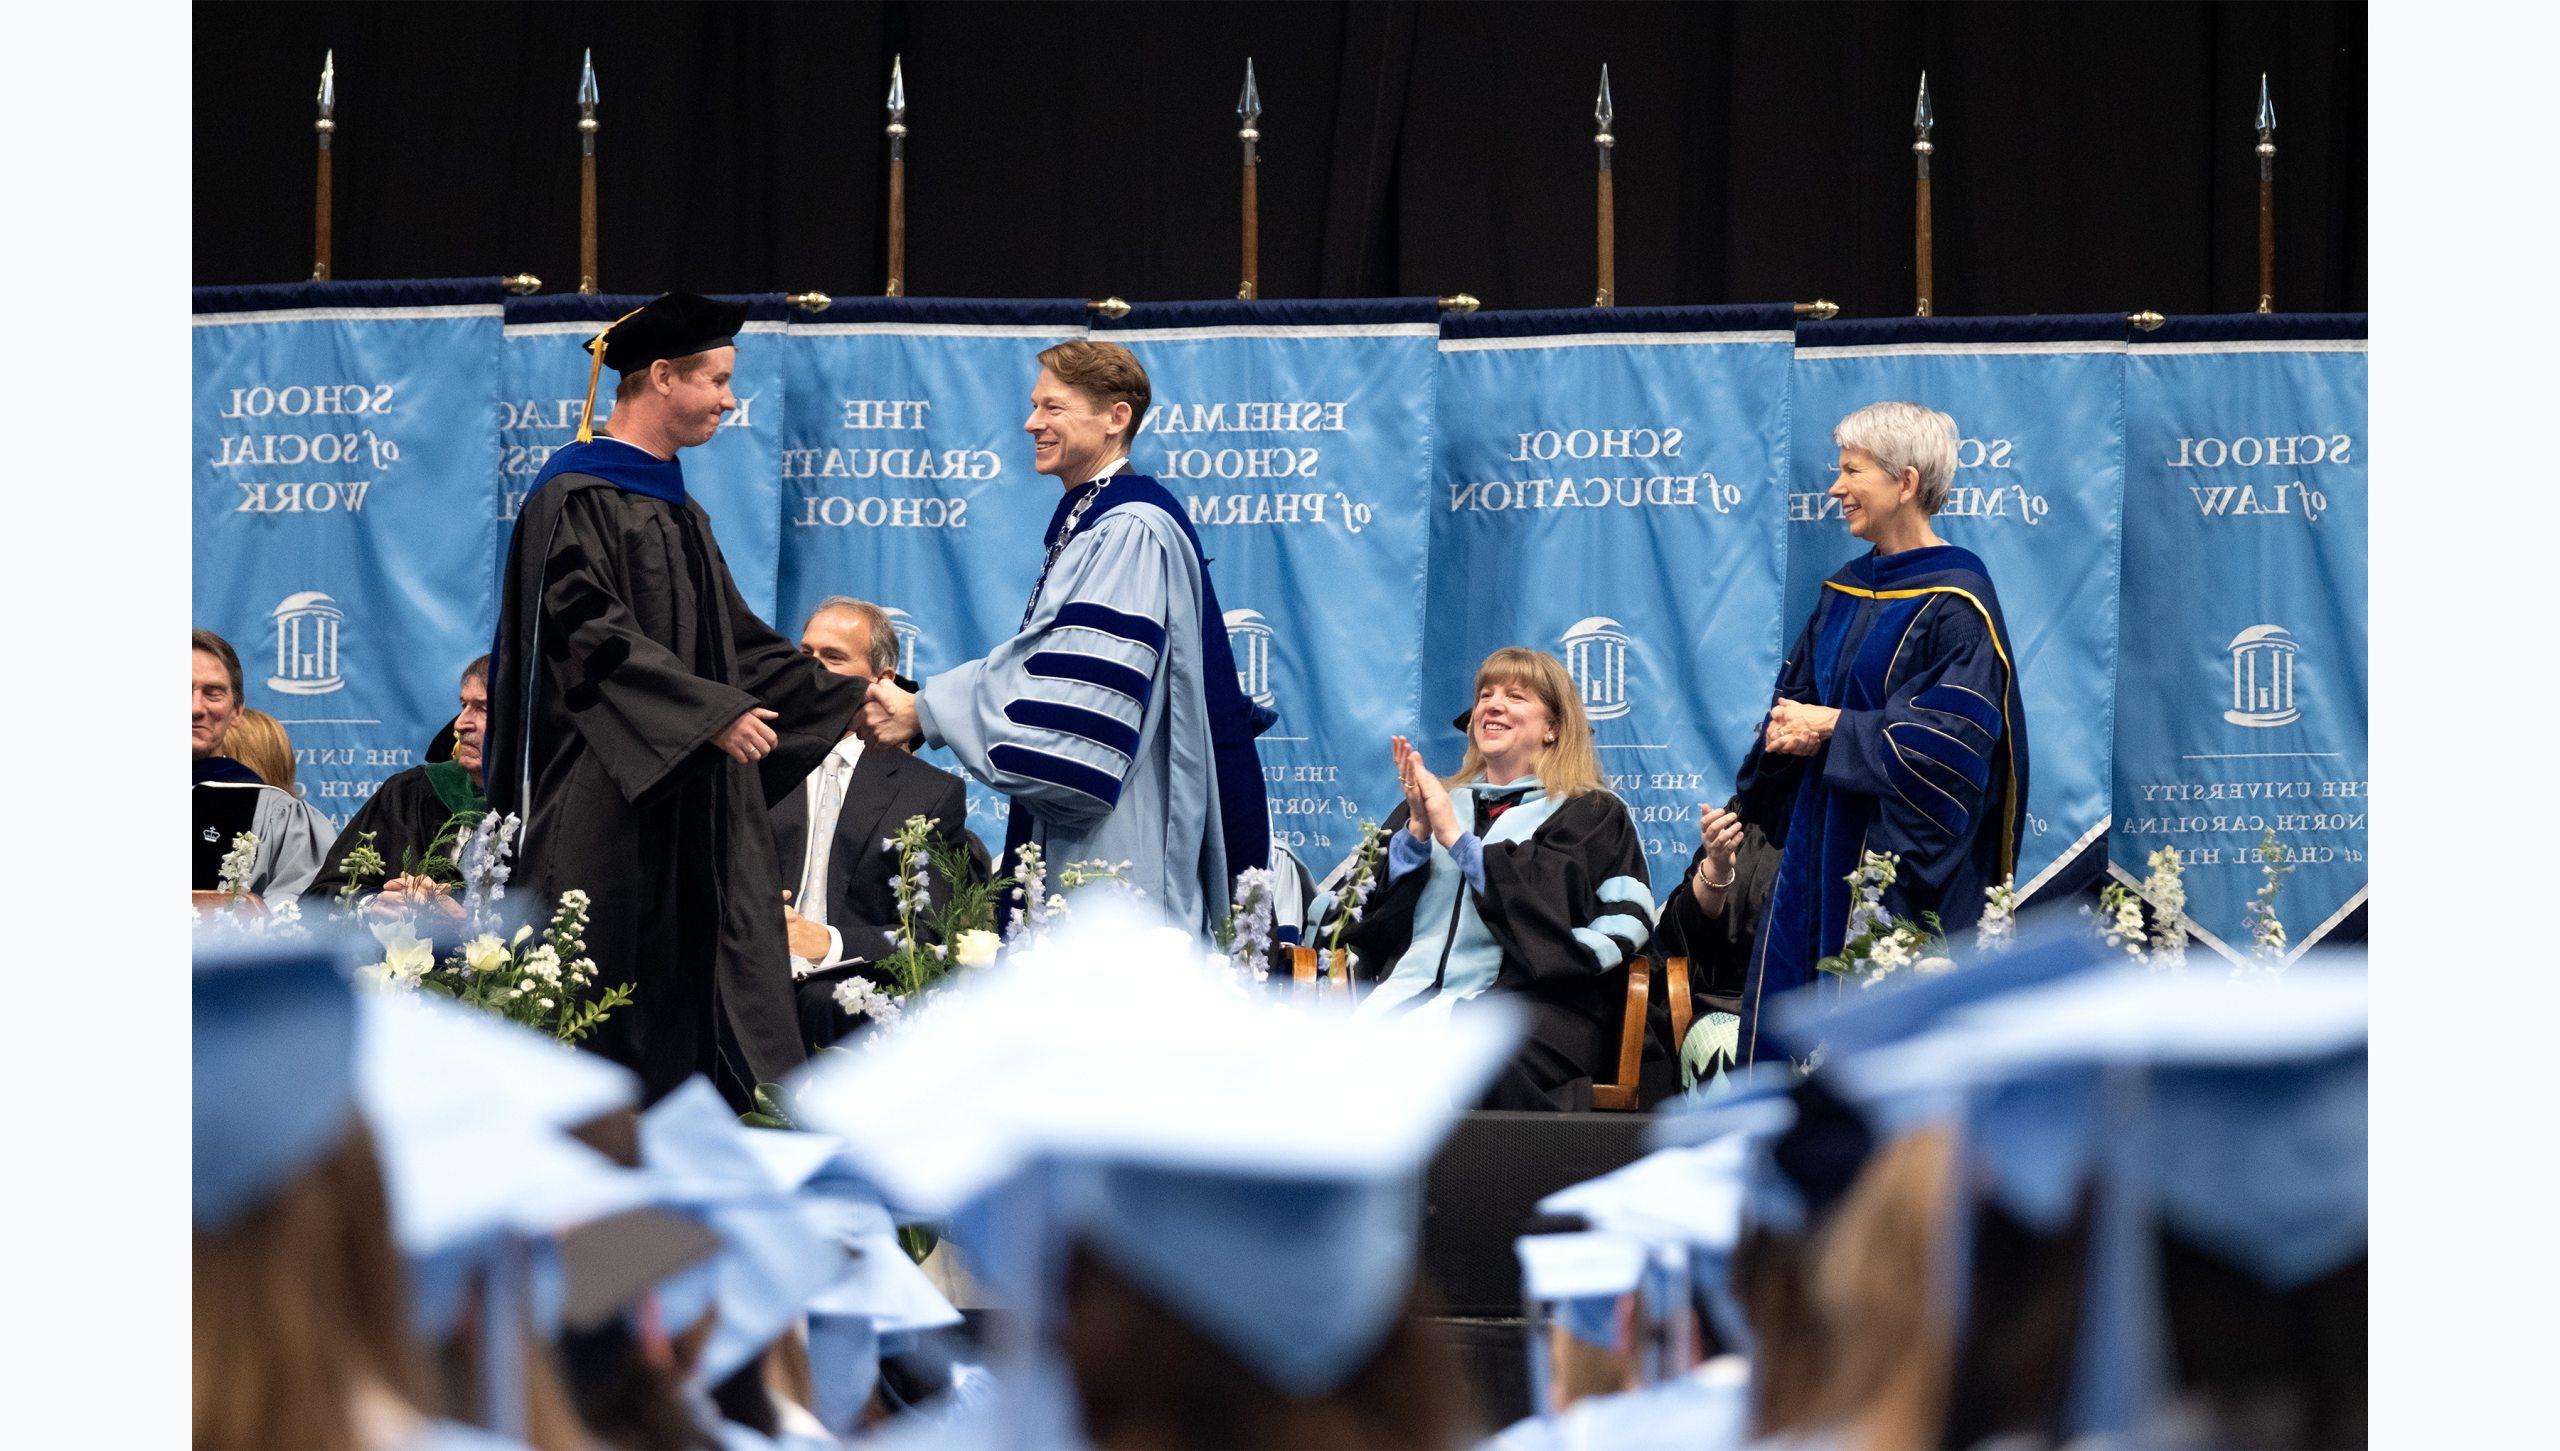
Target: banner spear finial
2266,197
1923,120
1249,133
589,97
323,129
1605,111
897,132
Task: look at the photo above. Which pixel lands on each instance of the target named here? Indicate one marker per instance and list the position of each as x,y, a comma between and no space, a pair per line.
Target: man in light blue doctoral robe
1113,718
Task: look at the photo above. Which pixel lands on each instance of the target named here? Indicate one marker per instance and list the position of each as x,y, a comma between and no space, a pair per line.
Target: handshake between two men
888,718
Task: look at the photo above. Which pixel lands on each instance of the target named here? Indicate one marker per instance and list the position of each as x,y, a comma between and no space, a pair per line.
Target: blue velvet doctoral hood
625,466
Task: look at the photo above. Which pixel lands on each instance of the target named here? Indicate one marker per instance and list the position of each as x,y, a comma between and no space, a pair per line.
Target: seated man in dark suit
828,834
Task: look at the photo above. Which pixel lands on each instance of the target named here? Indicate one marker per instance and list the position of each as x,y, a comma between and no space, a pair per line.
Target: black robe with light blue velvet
623,649
1928,759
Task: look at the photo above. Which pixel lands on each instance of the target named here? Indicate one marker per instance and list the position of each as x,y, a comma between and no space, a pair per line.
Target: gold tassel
595,370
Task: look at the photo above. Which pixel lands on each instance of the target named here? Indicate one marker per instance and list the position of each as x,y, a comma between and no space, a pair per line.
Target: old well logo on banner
735,477
1298,435
2244,617
906,476
2038,494
1612,490
346,511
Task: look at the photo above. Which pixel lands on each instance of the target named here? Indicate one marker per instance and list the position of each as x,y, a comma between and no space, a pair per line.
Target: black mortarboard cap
1823,1150
673,325
677,325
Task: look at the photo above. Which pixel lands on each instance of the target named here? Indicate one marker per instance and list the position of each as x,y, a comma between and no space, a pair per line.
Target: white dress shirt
826,786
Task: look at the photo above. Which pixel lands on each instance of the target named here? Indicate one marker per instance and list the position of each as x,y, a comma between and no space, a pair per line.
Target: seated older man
230,799
406,814
831,834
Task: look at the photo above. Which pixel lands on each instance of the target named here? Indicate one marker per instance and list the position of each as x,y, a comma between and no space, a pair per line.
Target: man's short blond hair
1107,373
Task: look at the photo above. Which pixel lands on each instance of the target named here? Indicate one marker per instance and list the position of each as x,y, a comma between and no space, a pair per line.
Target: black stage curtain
2091,157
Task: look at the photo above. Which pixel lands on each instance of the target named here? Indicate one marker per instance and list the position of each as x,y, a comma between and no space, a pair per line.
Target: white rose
976,948
485,953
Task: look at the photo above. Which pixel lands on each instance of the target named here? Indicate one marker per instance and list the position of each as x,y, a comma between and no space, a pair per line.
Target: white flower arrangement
1249,924
546,982
1875,944
1998,926
2166,890
2149,922
542,982
2266,929
483,860
863,998
239,865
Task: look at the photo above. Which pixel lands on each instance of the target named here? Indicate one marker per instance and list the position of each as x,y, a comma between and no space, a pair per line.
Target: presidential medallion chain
1066,532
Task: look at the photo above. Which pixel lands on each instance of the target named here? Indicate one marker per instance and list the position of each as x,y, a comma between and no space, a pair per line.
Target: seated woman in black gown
1521,874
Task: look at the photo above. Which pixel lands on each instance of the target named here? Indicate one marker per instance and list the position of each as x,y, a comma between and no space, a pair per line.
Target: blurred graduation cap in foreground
1252,1164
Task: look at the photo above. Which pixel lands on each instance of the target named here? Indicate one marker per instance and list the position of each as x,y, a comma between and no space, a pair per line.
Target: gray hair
1906,436
884,635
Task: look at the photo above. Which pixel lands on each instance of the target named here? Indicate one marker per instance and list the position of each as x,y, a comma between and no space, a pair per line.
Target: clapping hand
1720,835
1427,801
1720,832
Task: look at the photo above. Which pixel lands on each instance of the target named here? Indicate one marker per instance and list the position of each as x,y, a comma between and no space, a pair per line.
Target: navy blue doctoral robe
1928,760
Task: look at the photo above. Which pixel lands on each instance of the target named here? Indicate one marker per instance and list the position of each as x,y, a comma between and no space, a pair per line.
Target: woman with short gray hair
1897,726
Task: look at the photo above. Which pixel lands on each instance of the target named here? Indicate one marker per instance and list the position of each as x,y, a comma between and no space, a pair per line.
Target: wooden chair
1619,1094
215,901
1304,963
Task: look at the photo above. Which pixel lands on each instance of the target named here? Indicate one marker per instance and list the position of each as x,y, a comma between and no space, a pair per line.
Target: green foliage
770,1112
361,864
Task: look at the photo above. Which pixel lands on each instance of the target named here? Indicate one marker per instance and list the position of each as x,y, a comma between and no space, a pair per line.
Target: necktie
812,900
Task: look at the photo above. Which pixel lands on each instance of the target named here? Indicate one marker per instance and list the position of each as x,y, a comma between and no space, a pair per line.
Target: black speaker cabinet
1485,1185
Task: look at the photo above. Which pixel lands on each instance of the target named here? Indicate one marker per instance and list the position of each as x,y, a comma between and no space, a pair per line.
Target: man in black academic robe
407,812
642,719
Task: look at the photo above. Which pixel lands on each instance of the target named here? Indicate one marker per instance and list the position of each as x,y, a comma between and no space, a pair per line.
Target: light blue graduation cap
274,1070
771,1262
470,1113
1687,1206
486,1186
1906,1004
880,1298
1252,1164
2231,1111
1575,1280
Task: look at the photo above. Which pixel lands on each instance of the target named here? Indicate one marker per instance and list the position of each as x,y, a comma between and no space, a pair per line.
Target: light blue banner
2244,680
1612,489
1299,437
2038,495
735,477
906,476
346,511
